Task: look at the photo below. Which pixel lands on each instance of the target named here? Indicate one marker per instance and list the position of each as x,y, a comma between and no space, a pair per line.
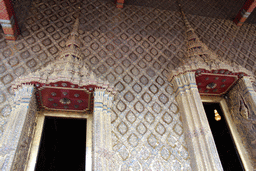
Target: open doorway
223,139
62,145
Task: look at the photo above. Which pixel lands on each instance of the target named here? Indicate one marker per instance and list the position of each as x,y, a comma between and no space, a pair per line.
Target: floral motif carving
242,108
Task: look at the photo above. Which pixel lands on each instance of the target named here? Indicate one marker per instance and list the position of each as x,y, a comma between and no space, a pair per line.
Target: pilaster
201,146
102,141
17,129
98,128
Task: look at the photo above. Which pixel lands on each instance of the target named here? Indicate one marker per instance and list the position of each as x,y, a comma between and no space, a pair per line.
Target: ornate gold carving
65,101
211,85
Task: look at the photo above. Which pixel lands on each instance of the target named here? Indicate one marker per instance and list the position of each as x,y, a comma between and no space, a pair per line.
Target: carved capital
184,81
99,95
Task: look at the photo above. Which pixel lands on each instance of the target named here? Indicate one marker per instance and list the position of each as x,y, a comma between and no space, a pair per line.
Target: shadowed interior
62,145
226,148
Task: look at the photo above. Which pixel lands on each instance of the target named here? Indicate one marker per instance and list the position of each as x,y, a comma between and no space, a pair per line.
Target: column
15,141
98,129
102,141
8,20
119,3
108,122
245,12
105,131
108,154
201,146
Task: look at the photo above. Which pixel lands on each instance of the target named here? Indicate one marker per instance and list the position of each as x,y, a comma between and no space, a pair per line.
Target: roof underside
224,9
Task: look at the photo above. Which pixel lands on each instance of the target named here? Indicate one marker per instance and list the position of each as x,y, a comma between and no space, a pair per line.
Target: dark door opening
63,145
223,139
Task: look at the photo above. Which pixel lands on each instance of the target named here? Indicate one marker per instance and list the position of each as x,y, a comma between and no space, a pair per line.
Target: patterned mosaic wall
134,49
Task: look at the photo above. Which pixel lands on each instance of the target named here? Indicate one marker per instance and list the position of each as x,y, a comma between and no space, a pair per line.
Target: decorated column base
10,28
244,12
8,20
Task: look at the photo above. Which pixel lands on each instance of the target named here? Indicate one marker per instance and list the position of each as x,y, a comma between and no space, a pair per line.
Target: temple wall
134,49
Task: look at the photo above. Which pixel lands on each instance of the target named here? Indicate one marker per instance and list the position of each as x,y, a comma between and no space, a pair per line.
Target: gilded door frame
34,148
237,139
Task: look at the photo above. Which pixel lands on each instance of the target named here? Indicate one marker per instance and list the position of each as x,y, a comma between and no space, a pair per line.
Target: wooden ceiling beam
245,12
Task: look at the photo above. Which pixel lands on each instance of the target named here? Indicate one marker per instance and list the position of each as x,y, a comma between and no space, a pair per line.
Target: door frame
35,145
236,137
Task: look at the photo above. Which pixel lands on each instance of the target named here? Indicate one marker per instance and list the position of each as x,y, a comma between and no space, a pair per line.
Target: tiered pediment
214,76
67,83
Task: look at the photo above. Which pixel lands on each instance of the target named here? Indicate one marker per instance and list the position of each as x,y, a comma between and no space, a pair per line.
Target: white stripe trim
11,21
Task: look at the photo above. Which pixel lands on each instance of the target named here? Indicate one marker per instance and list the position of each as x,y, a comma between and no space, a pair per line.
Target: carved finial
75,27
72,45
73,38
196,48
187,24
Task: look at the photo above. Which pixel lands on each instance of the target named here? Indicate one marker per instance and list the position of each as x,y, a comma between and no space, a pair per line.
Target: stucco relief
242,108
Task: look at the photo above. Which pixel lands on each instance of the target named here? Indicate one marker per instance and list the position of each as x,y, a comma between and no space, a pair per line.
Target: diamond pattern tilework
134,49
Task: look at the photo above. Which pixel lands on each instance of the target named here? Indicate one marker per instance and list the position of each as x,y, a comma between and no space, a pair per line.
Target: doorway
224,142
62,145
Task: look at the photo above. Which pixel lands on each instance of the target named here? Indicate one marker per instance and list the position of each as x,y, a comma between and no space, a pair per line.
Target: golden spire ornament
217,115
